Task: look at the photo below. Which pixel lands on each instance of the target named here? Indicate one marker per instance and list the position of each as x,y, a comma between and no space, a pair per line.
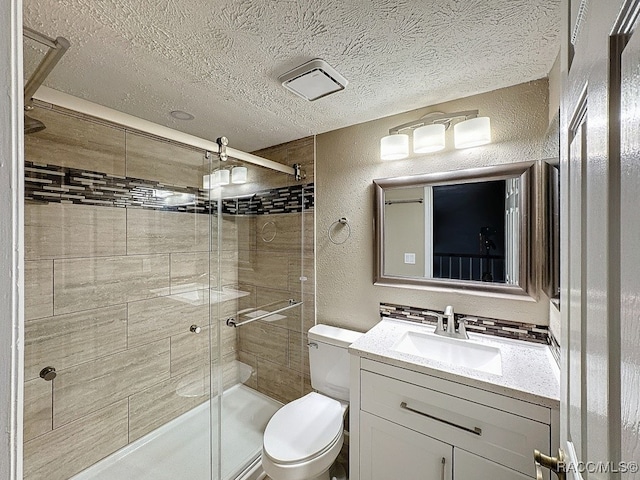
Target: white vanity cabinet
389,451
470,466
404,423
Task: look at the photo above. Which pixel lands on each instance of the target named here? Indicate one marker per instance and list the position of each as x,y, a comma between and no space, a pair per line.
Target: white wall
11,258
404,232
347,160
555,89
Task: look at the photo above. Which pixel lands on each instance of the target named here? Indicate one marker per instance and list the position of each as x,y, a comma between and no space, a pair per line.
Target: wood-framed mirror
479,229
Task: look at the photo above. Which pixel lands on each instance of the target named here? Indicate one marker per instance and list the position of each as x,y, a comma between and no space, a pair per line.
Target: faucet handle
429,313
439,316
468,319
462,326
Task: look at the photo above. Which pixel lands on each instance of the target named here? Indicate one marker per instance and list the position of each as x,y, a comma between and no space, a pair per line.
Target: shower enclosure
166,307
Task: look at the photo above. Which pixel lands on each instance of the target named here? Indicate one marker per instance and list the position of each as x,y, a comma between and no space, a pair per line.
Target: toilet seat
303,429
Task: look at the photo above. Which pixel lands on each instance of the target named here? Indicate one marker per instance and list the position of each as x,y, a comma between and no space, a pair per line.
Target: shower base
187,448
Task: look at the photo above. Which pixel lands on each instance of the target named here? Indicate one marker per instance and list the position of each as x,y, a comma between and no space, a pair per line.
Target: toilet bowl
304,437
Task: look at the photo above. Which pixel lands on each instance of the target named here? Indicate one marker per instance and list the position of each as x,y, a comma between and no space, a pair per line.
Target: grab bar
231,322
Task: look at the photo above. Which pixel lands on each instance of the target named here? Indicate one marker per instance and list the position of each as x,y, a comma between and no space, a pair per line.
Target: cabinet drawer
499,436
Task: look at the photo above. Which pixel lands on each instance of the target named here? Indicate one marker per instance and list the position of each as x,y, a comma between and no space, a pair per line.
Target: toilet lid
303,428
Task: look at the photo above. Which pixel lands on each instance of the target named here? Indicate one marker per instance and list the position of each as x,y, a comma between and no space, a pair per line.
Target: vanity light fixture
215,179
429,134
238,175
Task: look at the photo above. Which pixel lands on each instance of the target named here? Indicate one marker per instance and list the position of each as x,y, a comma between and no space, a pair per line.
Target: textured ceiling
220,59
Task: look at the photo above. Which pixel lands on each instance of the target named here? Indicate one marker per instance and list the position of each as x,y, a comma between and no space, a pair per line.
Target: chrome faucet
450,331
451,321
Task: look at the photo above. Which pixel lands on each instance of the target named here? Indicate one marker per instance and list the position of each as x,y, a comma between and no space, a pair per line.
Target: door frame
11,240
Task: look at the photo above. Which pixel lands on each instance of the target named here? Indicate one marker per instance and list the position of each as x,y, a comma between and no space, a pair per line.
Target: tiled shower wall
279,264
106,291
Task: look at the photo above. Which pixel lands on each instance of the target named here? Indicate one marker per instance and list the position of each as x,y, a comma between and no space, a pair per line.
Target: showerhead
31,125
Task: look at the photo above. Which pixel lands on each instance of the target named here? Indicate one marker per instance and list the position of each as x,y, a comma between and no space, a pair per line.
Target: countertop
529,371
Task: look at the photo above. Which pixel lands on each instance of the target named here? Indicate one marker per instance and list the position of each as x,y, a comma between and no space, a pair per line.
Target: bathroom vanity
474,410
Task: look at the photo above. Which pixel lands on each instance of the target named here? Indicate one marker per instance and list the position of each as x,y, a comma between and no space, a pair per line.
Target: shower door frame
11,242
220,464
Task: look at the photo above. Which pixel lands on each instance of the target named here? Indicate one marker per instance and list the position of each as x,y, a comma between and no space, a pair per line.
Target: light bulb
428,138
394,147
472,133
239,175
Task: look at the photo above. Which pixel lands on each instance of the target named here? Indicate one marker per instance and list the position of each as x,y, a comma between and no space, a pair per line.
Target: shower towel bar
292,303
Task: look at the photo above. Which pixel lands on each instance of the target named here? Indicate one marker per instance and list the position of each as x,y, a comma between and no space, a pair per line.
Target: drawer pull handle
474,430
444,462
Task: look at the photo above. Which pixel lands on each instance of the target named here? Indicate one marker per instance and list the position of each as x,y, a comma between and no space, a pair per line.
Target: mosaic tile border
487,326
56,184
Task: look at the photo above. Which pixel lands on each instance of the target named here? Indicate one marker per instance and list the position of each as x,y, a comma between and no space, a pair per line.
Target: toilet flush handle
312,345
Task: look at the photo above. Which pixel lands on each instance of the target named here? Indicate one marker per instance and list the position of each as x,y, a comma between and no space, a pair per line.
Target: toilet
304,437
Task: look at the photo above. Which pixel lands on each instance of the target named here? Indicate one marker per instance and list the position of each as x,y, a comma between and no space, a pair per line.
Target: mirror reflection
466,231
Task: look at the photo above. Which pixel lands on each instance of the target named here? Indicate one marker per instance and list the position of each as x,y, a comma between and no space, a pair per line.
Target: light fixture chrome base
435,117
298,173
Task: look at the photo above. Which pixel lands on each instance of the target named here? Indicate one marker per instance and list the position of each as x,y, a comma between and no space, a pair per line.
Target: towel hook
275,232
345,223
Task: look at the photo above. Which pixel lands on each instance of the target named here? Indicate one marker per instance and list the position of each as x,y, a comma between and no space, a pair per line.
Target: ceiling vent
313,80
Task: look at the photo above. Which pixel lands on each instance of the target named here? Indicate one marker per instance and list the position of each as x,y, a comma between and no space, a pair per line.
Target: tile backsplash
487,326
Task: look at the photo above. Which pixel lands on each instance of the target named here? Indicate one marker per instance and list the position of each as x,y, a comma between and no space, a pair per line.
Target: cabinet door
467,466
389,451
486,431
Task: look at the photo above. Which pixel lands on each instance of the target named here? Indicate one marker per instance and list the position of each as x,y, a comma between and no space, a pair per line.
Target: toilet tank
329,360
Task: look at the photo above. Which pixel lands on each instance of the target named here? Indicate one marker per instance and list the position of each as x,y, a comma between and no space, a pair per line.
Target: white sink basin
462,353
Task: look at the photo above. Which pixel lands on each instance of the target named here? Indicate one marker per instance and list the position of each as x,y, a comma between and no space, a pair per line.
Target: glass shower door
118,302
264,234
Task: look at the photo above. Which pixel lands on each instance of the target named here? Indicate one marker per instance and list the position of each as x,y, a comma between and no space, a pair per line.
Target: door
390,451
600,238
630,251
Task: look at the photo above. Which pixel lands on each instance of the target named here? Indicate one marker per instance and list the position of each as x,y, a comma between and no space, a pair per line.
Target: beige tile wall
72,141
111,294
166,163
58,230
270,267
